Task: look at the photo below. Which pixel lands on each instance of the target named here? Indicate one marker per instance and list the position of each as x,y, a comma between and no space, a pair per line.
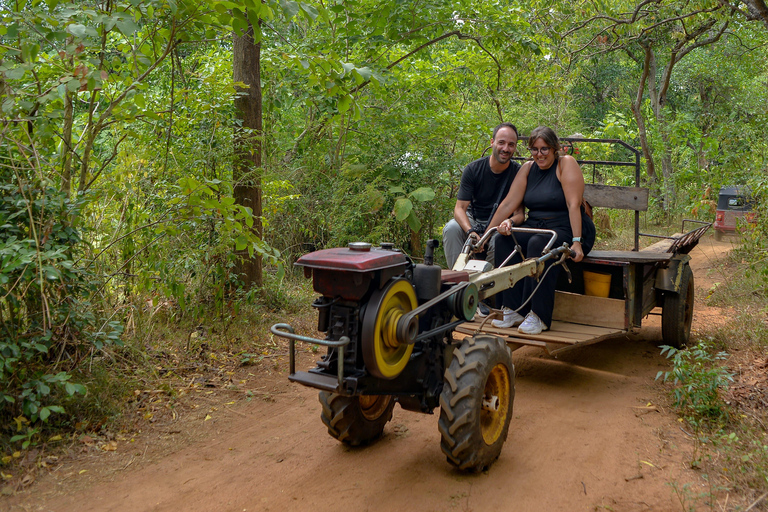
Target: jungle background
163,163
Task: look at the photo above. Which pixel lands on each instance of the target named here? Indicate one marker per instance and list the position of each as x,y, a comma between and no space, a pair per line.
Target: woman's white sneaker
532,324
511,318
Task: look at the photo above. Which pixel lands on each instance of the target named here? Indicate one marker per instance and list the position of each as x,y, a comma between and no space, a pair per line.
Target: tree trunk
246,169
658,96
666,169
66,147
637,110
758,10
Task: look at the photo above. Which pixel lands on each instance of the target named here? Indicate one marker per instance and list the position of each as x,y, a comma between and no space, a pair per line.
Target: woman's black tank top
544,197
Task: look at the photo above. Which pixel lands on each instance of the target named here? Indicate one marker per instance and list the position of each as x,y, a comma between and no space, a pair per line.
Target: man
484,184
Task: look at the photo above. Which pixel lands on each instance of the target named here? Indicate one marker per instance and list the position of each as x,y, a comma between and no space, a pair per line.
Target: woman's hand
505,228
578,251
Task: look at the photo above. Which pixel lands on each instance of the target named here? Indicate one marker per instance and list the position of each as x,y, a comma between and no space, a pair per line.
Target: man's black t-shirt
480,185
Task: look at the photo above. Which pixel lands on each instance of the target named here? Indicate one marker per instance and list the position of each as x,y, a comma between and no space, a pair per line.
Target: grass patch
721,391
166,358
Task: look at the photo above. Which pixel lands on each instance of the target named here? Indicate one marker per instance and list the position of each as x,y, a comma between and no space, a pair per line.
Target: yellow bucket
597,284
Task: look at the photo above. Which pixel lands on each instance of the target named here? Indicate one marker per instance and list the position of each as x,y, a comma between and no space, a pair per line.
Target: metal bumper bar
286,331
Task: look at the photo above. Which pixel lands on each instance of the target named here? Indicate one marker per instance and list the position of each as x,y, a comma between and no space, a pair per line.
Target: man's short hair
505,125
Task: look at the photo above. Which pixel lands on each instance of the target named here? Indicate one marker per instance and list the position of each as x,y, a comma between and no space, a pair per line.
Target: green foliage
47,321
699,381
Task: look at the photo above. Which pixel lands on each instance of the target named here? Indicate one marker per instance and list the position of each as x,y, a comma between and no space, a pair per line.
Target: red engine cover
343,258
348,273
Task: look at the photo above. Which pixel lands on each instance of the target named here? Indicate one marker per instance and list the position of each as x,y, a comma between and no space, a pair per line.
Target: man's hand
473,235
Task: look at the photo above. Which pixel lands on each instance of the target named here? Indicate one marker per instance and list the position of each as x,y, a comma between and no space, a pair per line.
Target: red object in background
734,205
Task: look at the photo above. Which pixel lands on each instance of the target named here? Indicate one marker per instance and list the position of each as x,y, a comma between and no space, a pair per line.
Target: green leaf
239,25
15,73
344,103
76,30
403,208
253,17
309,10
423,194
127,26
365,72
44,413
70,388
289,8
413,222
52,273
348,67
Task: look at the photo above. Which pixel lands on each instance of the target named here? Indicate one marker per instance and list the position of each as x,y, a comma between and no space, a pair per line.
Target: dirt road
587,434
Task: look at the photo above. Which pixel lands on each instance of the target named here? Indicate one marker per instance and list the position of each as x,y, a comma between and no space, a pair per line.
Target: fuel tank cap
359,246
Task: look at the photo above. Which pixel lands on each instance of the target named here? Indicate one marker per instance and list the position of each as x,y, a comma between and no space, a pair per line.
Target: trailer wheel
476,402
677,313
356,420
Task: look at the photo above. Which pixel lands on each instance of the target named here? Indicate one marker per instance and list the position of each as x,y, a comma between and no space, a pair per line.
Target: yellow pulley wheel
385,357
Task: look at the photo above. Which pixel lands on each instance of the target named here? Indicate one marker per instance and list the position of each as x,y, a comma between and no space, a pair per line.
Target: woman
551,187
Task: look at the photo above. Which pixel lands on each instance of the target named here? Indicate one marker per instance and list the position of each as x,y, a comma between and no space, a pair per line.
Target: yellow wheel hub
373,406
384,355
495,404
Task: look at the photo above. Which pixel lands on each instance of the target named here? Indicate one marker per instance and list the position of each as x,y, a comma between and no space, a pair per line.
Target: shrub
699,380
47,322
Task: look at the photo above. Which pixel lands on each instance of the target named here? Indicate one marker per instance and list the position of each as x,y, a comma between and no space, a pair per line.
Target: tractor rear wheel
476,402
356,420
677,312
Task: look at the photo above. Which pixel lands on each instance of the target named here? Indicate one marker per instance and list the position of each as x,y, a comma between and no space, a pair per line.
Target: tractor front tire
476,402
356,420
677,312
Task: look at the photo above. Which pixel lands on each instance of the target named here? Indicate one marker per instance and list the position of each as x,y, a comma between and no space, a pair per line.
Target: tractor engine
366,295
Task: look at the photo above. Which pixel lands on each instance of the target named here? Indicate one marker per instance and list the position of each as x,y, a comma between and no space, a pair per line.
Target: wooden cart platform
578,320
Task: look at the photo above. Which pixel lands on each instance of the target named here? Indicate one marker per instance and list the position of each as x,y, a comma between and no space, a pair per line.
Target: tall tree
246,168
656,37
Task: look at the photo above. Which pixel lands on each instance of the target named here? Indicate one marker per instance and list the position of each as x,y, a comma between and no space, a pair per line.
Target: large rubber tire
677,313
472,435
356,420
718,235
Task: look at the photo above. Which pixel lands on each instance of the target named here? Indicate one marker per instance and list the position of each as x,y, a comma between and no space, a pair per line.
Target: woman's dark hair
546,134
